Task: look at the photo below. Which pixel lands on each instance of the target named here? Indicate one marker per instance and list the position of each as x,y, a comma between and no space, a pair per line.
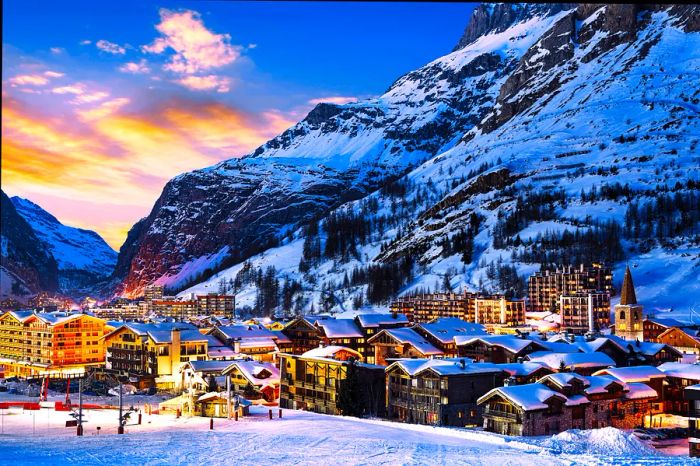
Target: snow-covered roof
564,379
242,332
208,366
21,315
446,366
680,370
221,351
639,390
633,374
258,343
509,342
339,328
406,335
600,383
329,352
256,372
518,369
445,329
666,322
281,337
377,320
572,360
529,397
165,336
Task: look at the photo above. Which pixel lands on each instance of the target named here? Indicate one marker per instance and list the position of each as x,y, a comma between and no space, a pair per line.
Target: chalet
611,347
196,375
401,343
439,391
678,377
302,336
151,354
253,340
254,380
312,381
691,395
441,333
342,332
371,324
563,401
683,339
645,353
652,327
647,375
581,363
496,348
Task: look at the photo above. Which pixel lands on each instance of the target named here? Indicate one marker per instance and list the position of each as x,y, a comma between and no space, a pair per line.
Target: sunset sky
103,102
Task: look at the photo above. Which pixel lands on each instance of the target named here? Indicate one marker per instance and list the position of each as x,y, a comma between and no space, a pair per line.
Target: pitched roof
241,332
627,294
519,369
406,335
638,390
529,397
564,379
444,366
208,366
377,320
572,360
329,352
445,329
509,342
666,322
680,370
256,372
632,374
600,383
339,328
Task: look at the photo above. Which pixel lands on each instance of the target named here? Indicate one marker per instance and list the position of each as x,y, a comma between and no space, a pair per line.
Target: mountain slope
588,152
82,256
27,266
221,215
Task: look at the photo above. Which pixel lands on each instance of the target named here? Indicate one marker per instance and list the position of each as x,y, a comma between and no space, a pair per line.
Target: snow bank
605,441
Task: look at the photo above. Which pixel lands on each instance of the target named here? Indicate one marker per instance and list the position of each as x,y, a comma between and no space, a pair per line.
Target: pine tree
350,393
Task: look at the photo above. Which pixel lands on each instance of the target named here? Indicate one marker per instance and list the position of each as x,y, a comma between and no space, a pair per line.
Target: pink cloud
196,47
140,67
103,110
110,47
205,83
29,80
75,89
53,74
338,100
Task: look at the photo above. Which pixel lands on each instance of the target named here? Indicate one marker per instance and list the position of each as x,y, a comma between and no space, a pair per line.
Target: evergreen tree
350,392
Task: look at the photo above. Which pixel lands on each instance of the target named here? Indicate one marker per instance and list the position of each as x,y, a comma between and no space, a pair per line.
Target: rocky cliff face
226,213
27,266
82,256
529,143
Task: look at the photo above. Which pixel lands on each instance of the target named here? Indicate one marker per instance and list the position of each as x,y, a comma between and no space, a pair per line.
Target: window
622,315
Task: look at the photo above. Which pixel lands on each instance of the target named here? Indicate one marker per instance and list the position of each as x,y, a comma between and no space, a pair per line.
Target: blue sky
102,95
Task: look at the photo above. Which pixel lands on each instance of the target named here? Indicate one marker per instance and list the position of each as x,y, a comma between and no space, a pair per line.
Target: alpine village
485,267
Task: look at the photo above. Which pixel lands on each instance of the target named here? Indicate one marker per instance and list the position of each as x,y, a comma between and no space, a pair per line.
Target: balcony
495,413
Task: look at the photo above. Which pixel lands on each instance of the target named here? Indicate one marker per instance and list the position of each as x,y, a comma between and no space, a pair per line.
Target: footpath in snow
298,438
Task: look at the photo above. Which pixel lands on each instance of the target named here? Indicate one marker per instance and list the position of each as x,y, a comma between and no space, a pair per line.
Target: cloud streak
110,47
110,159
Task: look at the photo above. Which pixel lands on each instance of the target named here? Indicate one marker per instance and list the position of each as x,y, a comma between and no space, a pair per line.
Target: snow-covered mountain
82,257
552,133
26,266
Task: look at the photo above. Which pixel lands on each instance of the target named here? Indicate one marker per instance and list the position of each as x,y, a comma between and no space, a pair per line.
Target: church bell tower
628,314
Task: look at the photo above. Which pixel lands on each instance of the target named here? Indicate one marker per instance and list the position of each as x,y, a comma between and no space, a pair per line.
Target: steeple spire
628,296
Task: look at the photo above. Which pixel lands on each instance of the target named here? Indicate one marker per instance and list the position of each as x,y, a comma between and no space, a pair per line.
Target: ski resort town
529,367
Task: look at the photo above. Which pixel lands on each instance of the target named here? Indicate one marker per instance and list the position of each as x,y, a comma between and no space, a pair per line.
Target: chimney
510,381
520,359
571,337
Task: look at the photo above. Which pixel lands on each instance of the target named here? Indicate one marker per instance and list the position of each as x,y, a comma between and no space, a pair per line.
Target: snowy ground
300,438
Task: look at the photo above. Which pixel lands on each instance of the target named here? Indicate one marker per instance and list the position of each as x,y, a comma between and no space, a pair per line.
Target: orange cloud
196,47
29,80
106,160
